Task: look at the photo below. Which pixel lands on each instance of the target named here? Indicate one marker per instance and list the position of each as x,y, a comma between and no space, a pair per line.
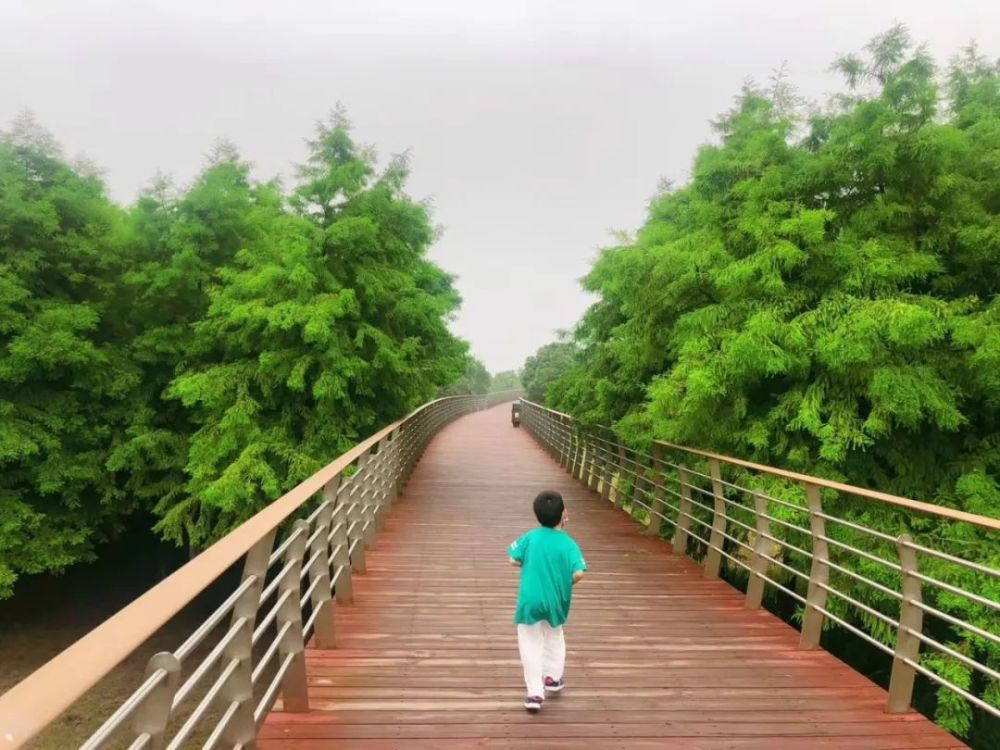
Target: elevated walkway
371,606
658,657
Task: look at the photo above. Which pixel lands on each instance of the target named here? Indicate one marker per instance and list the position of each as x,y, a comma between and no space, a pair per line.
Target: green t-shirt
548,558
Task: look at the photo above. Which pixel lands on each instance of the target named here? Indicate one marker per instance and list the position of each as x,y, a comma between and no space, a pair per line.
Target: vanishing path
657,656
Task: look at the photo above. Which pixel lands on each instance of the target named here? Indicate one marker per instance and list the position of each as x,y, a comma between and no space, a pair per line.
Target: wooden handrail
983,522
663,493
36,701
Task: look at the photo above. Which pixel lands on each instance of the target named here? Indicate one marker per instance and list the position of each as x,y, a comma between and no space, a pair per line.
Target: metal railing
299,555
902,575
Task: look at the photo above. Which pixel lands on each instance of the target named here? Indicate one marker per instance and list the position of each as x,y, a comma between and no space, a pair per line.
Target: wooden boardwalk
657,656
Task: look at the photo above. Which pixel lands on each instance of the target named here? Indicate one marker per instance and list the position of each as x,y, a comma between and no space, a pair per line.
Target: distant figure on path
551,564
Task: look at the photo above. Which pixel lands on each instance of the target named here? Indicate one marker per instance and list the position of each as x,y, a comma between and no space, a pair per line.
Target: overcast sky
536,127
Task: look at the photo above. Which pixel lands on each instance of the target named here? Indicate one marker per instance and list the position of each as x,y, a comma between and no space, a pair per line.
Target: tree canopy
202,351
67,381
508,380
545,367
823,295
475,380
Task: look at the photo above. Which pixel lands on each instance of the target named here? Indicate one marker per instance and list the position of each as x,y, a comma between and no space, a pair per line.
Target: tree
508,380
475,380
544,367
66,383
823,296
181,244
329,322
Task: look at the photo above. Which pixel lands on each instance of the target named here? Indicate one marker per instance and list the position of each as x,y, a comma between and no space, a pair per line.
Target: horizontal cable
955,621
307,566
220,728
214,619
991,673
311,518
785,524
861,578
861,553
284,546
276,581
272,690
955,590
209,698
125,710
207,663
266,657
951,558
304,599
863,607
934,677
858,527
857,631
269,617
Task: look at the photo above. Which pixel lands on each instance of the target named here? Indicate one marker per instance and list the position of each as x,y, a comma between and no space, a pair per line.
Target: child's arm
515,552
578,564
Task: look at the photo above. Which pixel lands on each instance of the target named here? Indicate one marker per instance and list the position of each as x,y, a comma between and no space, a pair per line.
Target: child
551,563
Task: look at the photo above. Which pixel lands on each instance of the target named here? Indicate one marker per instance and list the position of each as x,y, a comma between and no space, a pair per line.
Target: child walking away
551,563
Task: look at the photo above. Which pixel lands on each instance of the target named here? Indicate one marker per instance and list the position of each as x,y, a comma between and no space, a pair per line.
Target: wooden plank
582,730
658,656
899,742
575,715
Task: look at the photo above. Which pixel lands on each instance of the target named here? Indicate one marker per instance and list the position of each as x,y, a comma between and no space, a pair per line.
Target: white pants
543,654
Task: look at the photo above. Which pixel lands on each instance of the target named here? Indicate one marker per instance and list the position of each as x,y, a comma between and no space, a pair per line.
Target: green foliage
823,296
508,380
66,382
475,379
329,322
543,368
203,352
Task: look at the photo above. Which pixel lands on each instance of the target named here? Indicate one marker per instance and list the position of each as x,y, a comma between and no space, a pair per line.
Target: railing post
758,565
607,470
294,688
684,513
656,506
366,497
153,715
355,526
411,450
619,490
911,620
319,577
392,470
550,440
380,485
576,468
341,577
565,443
592,477
597,466
398,462
713,558
819,573
242,729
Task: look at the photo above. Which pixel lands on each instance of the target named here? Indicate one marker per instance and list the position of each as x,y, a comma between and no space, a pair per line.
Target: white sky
535,126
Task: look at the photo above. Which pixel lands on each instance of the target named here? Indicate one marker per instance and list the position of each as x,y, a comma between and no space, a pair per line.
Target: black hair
549,508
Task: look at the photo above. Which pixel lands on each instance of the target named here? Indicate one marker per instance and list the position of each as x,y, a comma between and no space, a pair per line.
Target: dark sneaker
533,703
554,686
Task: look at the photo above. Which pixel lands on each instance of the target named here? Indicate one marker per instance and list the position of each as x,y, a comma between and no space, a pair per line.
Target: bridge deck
657,656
